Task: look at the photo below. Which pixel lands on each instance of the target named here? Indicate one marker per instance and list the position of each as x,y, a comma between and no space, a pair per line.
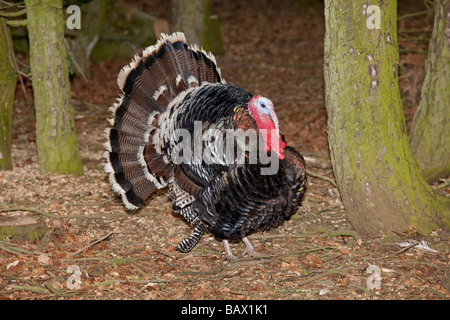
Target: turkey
216,147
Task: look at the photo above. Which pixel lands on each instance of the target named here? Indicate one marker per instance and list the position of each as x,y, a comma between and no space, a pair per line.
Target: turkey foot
229,255
249,249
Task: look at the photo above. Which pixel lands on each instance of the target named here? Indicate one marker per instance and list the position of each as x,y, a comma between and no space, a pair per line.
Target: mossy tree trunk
430,130
7,87
380,183
56,137
191,17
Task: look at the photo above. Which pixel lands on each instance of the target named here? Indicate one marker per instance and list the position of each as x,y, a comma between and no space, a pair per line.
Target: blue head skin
263,112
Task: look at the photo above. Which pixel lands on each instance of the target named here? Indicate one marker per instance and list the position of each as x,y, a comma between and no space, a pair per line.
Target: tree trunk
192,18
56,137
380,184
7,88
430,130
84,40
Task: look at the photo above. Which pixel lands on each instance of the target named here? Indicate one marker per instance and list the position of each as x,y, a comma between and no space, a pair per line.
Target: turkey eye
263,105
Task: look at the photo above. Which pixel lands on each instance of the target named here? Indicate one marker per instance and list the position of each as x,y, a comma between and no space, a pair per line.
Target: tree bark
380,183
191,17
56,138
430,130
7,88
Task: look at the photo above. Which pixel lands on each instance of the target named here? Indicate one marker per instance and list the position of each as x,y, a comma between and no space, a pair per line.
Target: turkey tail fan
150,83
167,69
124,152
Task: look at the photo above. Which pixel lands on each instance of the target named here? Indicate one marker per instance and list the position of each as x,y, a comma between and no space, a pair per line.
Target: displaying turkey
216,147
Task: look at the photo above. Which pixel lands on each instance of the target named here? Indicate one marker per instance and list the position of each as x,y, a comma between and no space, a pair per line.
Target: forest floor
275,50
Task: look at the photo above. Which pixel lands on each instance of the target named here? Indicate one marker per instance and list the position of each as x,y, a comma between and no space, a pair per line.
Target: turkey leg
229,255
249,249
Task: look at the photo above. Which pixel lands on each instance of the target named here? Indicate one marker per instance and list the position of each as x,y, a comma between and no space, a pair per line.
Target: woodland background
273,48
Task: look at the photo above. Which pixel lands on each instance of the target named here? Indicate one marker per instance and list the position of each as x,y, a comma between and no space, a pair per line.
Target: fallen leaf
312,260
44,259
12,264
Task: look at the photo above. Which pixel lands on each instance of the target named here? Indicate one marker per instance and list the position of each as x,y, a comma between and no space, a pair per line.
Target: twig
59,292
19,279
446,182
88,104
413,51
17,23
13,14
255,257
12,209
35,289
10,5
322,274
8,243
13,61
90,245
10,250
75,62
406,248
86,259
334,233
414,31
316,175
18,251
414,14
15,249
54,216
342,233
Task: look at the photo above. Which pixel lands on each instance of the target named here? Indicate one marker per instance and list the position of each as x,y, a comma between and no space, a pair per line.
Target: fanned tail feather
149,84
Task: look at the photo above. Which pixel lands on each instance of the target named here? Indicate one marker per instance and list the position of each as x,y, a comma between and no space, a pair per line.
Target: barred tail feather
189,243
150,83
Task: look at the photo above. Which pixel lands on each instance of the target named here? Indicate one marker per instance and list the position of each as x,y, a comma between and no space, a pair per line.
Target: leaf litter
94,249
